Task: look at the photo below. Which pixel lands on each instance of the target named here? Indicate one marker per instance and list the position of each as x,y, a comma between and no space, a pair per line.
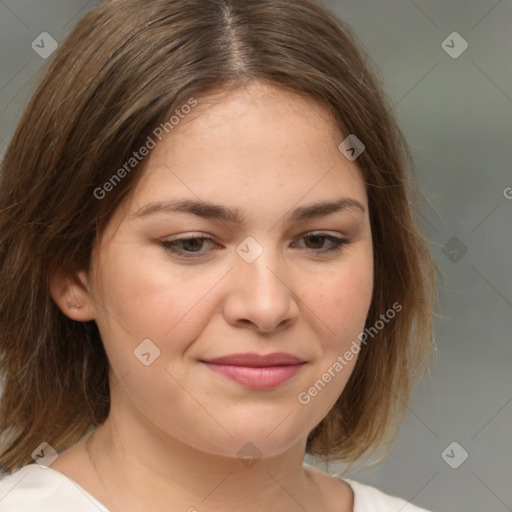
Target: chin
252,449
257,439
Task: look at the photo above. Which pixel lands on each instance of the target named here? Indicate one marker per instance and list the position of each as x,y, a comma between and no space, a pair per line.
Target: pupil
317,238
190,242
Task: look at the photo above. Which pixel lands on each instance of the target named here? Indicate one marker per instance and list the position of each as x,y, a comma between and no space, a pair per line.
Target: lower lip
267,377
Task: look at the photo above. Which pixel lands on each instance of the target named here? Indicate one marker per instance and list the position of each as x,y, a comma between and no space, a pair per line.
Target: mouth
255,371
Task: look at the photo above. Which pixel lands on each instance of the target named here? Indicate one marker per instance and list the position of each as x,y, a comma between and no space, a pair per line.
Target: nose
261,293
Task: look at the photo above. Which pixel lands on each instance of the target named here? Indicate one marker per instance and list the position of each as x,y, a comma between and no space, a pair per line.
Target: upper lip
256,360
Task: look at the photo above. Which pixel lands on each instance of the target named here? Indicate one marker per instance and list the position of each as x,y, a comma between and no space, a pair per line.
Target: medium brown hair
122,70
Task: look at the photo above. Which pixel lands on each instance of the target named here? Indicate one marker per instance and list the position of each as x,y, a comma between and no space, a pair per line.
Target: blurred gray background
455,107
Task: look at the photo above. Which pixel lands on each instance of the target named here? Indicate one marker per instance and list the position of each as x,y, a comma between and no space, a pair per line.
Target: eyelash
169,245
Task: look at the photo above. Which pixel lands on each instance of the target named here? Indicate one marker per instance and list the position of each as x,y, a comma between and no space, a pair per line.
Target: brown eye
317,241
191,245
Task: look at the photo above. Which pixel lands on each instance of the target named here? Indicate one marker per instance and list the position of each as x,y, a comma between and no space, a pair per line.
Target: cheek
151,297
154,314
342,303
341,309
148,299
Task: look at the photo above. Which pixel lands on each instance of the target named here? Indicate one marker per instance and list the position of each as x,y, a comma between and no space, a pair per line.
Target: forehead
258,145
223,104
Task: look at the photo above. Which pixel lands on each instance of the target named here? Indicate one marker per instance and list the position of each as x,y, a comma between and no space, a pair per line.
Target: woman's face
268,278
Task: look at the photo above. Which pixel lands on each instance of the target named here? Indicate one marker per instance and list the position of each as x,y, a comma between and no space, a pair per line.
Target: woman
210,265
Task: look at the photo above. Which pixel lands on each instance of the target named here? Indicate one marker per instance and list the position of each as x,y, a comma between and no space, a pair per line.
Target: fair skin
175,426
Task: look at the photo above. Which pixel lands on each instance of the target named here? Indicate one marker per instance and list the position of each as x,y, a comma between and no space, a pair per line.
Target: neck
143,471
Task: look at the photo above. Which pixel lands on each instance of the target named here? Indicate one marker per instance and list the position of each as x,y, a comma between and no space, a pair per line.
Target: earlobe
70,294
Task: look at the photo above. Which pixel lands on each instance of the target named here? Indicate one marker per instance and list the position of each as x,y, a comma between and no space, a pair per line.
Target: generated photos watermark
137,156
304,397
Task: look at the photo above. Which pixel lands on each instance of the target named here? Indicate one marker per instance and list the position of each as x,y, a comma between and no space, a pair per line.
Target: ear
70,293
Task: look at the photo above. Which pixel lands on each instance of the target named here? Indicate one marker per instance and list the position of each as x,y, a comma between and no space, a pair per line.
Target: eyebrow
233,215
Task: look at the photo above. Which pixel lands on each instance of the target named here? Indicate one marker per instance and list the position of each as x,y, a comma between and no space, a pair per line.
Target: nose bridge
259,264
260,287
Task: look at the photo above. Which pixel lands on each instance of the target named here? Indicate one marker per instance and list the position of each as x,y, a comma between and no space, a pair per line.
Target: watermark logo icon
454,455
454,45
249,455
351,147
146,352
44,45
44,455
454,249
249,250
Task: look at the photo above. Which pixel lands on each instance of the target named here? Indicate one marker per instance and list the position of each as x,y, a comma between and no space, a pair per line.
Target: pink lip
257,371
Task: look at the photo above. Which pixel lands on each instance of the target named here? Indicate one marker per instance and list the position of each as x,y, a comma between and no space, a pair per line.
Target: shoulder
371,499
34,487
355,496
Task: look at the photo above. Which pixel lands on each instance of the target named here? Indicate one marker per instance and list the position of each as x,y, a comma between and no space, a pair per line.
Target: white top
36,488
